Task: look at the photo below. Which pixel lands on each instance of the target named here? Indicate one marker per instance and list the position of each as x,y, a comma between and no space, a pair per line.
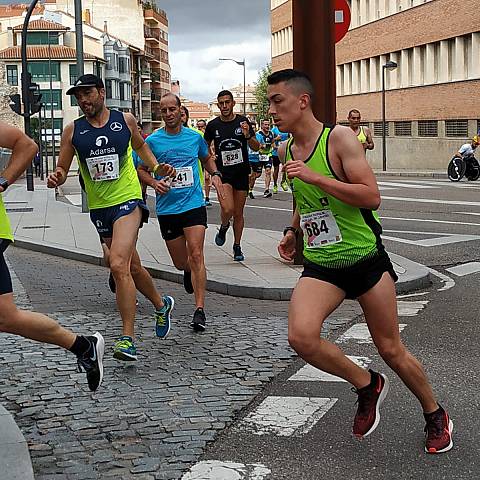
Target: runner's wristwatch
4,183
216,174
290,229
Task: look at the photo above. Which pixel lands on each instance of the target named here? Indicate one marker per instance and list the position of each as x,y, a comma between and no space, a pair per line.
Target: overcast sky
202,31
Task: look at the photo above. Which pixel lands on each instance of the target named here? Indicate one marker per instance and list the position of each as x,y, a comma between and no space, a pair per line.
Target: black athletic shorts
355,280
275,161
171,226
240,181
5,279
256,167
104,218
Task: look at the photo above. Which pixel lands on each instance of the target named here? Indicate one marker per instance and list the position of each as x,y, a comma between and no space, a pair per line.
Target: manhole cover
36,226
19,210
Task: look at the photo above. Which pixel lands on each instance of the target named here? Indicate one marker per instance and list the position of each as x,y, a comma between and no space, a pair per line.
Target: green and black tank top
336,235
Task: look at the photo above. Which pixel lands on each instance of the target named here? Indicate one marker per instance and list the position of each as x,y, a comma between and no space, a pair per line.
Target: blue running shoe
221,235
237,253
125,349
163,317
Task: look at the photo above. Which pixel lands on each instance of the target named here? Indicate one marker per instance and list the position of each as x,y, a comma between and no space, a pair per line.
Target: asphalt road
436,223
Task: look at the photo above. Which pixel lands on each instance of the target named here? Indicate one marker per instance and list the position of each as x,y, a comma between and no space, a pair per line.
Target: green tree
261,92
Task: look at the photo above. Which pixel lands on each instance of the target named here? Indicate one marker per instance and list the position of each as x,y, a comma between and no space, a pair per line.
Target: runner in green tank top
32,325
336,195
103,140
362,132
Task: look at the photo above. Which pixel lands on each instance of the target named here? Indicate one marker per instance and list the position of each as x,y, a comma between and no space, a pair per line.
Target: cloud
202,32
202,75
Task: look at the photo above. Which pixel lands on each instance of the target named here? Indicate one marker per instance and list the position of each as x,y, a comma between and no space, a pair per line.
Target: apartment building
52,64
431,106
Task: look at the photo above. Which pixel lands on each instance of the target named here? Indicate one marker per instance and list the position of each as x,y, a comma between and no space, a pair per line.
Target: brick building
432,96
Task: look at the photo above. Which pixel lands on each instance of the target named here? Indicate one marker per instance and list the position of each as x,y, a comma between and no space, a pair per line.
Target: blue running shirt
182,151
284,136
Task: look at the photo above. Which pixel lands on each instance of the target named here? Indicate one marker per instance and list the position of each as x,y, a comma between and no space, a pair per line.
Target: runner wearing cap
103,140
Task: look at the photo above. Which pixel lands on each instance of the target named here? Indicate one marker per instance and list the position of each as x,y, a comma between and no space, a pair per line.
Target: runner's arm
359,187
65,157
23,150
369,145
282,151
143,150
160,186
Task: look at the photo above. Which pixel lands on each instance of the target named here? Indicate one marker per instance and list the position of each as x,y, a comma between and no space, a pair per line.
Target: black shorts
240,181
104,218
355,280
275,161
171,226
256,167
5,279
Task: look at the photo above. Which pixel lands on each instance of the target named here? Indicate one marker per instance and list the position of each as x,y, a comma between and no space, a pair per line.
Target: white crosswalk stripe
286,416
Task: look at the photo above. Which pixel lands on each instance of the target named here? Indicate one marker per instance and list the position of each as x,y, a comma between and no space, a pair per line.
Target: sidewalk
41,223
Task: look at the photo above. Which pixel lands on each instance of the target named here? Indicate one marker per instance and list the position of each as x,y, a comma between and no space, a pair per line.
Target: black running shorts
171,226
239,181
275,161
355,280
5,279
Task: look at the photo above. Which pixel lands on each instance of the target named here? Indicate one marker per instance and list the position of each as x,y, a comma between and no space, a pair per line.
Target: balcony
152,34
145,72
156,97
146,94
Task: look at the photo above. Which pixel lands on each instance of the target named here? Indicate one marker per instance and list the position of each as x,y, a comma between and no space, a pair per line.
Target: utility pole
80,65
314,54
26,89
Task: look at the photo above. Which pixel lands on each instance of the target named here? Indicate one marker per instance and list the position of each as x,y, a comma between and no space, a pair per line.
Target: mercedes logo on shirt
116,127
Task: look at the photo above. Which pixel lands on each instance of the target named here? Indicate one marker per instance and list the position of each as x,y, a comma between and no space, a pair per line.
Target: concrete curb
15,457
440,175
413,277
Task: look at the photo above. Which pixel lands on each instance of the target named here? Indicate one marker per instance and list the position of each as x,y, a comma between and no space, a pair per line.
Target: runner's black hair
298,80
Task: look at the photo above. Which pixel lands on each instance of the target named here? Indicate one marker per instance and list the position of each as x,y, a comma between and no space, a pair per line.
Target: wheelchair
467,166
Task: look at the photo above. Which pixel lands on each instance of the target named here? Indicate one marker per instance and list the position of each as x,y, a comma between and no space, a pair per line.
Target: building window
73,74
40,71
456,128
122,91
108,88
378,129
403,129
50,97
42,38
428,128
109,59
123,64
12,75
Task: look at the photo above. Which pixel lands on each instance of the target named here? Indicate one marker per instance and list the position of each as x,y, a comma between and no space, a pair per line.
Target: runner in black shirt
231,134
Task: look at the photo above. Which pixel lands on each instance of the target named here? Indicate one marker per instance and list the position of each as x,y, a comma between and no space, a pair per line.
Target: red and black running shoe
438,432
369,400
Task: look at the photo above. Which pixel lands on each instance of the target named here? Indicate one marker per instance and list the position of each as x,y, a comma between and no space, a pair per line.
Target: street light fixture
388,66
242,63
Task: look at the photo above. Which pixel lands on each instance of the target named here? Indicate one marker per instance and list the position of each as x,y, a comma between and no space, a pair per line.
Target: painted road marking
215,470
309,373
407,185
425,220
465,269
447,239
286,416
429,200
359,333
410,309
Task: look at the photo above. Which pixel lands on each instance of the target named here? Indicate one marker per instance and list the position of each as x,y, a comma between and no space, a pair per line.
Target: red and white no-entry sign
342,19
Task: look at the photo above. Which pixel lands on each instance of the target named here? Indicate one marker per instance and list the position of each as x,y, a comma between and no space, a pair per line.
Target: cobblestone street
151,420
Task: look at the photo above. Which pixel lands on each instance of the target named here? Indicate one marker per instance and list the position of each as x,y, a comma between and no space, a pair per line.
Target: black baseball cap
88,80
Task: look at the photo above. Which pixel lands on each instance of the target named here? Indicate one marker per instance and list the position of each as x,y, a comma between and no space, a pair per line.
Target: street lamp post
388,66
242,63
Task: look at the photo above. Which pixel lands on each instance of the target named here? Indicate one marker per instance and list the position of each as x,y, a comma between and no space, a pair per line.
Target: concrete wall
415,153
